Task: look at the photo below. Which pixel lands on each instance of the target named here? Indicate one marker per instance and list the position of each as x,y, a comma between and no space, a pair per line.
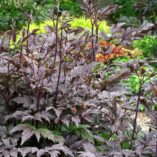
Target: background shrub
148,45
134,12
72,6
126,9
13,12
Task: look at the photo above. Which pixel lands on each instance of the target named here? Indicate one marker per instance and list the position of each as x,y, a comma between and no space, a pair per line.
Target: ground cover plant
65,92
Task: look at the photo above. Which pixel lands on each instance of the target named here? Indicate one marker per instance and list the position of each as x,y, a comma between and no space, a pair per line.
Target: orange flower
100,57
105,44
117,49
117,52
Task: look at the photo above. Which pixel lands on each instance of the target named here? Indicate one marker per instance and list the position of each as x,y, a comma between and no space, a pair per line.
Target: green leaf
125,145
46,133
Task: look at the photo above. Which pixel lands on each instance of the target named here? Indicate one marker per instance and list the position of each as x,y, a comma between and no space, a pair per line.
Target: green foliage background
15,12
148,45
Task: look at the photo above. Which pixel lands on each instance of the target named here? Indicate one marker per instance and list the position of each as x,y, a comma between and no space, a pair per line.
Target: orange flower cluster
105,44
117,52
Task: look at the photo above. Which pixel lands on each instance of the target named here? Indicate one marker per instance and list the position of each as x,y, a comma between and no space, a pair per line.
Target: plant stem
97,33
156,149
59,73
56,32
136,115
28,27
93,45
58,80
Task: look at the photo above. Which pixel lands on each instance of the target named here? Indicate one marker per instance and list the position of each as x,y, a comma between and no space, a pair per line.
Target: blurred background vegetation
14,13
133,12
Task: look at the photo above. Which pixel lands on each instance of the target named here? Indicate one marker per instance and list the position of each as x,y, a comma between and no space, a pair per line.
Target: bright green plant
75,23
85,23
148,45
82,131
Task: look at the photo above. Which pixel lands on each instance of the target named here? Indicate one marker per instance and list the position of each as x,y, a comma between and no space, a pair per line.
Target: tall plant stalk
136,114
56,24
57,50
142,80
96,16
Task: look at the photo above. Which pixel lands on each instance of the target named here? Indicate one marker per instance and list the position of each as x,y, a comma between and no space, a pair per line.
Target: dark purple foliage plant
54,103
